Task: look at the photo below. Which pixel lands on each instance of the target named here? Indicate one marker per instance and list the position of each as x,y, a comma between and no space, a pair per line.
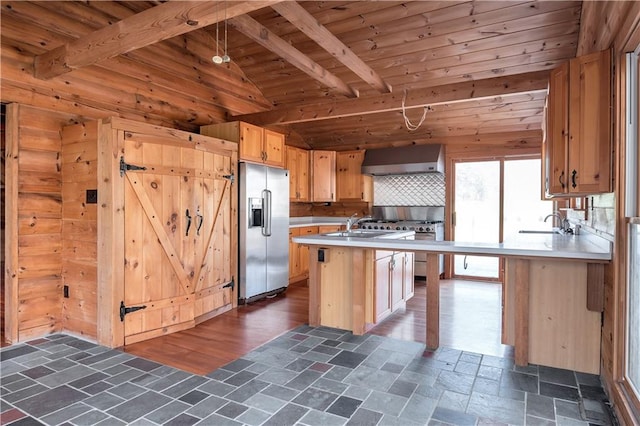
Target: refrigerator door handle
266,225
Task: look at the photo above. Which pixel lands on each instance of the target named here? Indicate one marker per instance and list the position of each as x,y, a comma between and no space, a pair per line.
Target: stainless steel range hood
404,160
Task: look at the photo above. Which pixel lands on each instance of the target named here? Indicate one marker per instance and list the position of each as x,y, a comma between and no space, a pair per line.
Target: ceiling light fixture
217,59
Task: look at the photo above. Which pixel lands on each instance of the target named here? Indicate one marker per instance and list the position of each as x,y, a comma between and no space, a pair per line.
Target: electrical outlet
322,255
92,196
65,291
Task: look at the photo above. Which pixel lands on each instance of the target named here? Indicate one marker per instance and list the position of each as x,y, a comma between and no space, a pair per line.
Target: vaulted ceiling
333,74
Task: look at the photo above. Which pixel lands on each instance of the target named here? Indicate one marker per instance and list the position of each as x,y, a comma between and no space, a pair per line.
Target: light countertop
299,222
580,247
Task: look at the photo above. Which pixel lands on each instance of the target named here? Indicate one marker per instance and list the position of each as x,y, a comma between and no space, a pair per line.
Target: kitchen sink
547,231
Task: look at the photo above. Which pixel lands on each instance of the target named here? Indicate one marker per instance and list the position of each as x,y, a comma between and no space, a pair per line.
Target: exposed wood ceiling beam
522,139
142,29
317,32
449,93
260,34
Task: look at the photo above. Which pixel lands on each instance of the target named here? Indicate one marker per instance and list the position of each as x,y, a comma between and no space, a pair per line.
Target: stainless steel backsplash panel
430,213
426,189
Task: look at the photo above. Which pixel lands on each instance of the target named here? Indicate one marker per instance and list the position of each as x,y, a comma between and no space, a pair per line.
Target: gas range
418,226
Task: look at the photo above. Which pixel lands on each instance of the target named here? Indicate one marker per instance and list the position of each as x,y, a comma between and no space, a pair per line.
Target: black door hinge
124,310
230,177
125,167
230,284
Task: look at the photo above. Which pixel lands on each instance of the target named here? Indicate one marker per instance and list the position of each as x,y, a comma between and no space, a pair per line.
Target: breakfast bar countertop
585,246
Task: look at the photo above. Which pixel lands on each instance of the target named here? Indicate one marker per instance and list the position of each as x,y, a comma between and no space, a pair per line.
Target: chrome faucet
565,226
352,221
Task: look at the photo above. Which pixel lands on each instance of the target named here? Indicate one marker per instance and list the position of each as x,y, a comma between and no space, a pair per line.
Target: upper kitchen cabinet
577,140
351,183
323,165
298,165
255,144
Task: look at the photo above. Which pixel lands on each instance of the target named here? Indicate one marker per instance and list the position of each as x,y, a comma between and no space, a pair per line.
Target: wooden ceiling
477,68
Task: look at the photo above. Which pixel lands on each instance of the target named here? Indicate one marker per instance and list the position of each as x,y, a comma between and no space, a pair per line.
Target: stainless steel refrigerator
263,225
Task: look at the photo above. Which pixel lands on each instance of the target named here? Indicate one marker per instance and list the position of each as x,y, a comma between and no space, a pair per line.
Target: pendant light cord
217,32
225,29
410,126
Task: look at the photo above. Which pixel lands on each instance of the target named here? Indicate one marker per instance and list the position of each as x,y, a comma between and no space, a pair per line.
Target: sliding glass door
493,201
477,215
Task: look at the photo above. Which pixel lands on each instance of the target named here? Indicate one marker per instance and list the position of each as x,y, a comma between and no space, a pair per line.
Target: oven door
420,262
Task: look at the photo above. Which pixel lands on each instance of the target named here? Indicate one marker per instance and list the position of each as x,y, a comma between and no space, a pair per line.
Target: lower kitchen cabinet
393,282
408,275
299,254
388,284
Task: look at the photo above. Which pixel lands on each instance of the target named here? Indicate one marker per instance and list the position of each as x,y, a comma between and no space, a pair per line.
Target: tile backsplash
426,189
600,214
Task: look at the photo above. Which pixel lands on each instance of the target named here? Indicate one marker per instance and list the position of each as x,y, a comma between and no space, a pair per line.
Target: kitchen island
541,270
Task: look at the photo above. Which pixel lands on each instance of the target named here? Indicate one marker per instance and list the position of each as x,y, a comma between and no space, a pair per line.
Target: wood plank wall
34,222
168,84
615,25
79,228
337,209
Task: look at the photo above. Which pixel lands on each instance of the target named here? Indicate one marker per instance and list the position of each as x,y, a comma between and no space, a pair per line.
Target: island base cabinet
563,333
354,289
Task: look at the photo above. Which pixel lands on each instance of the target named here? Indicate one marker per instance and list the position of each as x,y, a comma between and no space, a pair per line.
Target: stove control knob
404,228
420,229
427,229
388,227
375,227
397,228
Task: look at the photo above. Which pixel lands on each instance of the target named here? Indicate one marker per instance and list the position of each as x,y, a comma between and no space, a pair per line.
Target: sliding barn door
177,233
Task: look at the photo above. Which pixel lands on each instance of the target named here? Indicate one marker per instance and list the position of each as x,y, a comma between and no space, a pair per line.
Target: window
632,326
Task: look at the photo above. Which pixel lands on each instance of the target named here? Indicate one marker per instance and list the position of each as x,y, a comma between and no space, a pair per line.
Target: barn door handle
188,222
199,220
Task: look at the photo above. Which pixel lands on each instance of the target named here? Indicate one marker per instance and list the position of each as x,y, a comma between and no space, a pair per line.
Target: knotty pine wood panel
601,22
362,21
336,209
267,81
403,50
79,230
163,58
34,290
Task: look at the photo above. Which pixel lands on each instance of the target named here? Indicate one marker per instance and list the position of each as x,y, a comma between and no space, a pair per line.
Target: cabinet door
349,176
557,131
590,124
324,176
294,253
298,165
382,281
303,175
273,146
250,145
397,281
304,250
408,275
292,166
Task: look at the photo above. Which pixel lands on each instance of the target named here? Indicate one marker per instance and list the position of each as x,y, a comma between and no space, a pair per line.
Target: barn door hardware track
126,166
124,310
230,177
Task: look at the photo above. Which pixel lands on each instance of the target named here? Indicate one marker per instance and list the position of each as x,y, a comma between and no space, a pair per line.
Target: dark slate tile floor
308,376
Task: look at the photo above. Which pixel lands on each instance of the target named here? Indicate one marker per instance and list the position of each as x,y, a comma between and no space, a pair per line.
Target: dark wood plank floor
470,320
